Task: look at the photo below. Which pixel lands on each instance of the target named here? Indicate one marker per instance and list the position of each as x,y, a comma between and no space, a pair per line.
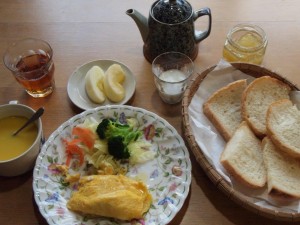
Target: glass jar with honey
245,43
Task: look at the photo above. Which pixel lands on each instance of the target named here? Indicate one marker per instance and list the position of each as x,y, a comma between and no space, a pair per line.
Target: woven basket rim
215,177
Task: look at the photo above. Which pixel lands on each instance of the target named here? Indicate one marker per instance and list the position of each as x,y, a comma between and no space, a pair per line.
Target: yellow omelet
115,196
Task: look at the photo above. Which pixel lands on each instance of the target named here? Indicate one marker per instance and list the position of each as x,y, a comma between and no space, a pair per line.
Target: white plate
76,84
167,176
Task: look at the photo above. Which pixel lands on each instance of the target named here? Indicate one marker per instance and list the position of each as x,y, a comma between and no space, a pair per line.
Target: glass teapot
170,27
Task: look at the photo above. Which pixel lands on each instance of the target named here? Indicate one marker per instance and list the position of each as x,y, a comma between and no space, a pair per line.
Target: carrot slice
72,142
85,135
68,161
81,135
73,149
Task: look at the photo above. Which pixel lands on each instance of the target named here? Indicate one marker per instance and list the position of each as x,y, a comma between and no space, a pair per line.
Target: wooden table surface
81,31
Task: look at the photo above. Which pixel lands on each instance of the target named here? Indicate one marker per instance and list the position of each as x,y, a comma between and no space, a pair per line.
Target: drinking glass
30,61
172,72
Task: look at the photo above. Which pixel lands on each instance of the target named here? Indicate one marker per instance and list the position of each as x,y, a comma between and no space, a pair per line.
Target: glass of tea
30,61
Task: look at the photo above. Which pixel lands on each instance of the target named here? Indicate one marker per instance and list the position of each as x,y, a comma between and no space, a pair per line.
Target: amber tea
35,73
30,61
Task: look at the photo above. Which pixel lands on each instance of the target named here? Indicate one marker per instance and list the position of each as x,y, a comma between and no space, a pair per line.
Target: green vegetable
117,148
118,137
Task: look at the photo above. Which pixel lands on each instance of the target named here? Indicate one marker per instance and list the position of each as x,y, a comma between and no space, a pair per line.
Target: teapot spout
141,21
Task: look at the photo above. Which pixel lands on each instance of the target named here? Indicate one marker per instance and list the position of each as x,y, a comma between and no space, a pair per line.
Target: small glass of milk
172,72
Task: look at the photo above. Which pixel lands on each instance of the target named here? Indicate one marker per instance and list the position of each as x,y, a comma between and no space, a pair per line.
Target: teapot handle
200,35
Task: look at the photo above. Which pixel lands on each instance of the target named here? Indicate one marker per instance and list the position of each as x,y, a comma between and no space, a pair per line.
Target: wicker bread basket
216,178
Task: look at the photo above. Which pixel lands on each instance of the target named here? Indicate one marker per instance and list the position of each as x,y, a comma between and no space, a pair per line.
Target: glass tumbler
172,72
30,61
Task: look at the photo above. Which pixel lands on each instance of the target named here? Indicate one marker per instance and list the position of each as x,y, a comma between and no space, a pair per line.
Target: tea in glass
30,60
245,43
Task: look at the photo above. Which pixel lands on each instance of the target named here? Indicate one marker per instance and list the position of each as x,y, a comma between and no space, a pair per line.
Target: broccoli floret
102,128
118,136
117,148
108,128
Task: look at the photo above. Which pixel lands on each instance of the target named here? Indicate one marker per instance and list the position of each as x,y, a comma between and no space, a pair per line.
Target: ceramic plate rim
77,93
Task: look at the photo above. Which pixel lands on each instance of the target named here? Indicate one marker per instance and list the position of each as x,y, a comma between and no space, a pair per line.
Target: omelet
115,196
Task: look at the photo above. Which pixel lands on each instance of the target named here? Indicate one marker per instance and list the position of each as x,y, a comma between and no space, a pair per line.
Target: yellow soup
13,146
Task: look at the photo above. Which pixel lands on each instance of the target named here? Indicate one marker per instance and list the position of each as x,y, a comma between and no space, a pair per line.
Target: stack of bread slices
262,129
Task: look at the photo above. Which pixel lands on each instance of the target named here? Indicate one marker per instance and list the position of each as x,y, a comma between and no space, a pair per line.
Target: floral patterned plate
167,176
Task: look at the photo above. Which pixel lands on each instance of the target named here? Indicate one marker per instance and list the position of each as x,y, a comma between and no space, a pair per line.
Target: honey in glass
245,43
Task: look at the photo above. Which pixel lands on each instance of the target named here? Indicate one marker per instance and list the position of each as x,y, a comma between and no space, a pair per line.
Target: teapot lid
171,11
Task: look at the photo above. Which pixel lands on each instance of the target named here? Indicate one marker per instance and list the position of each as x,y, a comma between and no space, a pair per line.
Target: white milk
172,89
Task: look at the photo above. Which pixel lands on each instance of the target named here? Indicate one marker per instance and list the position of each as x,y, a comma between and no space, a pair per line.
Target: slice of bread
257,97
243,159
223,108
283,171
283,126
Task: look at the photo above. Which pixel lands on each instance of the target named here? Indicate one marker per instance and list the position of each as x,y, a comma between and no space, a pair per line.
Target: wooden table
81,31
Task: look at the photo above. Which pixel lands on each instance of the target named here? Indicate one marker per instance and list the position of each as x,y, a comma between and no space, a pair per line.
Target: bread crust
279,195
239,177
276,190
217,122
294,152
251,88
235,173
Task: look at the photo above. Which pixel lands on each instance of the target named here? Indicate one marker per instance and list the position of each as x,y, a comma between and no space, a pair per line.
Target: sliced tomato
85,135
72,149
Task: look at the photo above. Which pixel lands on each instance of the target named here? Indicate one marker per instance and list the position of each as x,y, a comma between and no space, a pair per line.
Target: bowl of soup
18,153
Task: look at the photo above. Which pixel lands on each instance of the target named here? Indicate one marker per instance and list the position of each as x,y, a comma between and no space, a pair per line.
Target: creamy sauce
13,146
